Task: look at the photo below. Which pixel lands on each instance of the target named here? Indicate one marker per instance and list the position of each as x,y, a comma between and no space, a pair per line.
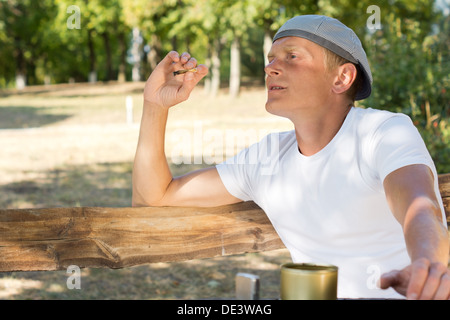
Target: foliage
23,36
411,75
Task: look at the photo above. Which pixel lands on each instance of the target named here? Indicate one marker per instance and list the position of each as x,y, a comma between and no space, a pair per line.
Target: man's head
340,53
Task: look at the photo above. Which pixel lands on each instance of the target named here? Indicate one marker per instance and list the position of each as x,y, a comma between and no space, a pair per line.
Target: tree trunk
21,82
123,54
19,58
207,79
235,68
215,67
267,45
154,55
135,51
187,41
31,78
109,69
92,60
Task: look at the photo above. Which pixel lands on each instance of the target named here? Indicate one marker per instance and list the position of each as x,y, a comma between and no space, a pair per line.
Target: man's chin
272,108
278,110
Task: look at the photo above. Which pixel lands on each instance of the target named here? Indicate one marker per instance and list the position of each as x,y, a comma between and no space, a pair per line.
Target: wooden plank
54,238
444,189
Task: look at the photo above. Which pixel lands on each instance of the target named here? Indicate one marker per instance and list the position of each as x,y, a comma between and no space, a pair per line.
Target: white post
21,82
129,106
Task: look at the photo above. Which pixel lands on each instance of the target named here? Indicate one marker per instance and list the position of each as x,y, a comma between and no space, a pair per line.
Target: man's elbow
137,204
140,201
425,205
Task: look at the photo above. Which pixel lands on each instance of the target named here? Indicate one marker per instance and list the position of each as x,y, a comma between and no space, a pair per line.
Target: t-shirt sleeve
233,173
242,174
397,143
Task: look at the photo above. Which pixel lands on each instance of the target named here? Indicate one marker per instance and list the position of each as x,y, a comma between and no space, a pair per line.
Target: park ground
73,145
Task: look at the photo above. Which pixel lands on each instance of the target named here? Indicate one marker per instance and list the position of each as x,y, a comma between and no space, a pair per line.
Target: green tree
24,26
97,50
148,18
104,19
213,24
68,46
411,75
239,17
271,15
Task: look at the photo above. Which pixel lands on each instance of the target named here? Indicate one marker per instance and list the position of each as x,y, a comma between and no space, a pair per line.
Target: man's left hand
421,280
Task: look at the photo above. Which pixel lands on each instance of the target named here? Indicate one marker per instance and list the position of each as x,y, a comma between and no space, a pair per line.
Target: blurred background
71,81
60,41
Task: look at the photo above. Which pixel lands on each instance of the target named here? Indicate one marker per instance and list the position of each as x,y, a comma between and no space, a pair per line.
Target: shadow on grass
195,279
90,185
101,184
19,117
82,89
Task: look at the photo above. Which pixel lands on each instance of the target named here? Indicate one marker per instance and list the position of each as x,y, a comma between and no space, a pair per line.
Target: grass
71,145
195,279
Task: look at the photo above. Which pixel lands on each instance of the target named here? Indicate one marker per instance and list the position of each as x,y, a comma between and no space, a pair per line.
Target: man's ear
345,77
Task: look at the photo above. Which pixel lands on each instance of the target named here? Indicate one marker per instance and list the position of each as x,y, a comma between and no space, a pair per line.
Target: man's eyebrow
290,48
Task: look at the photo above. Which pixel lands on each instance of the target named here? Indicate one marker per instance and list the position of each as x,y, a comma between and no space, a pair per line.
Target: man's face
296,77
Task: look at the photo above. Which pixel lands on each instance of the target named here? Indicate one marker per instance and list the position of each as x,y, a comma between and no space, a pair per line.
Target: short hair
332,61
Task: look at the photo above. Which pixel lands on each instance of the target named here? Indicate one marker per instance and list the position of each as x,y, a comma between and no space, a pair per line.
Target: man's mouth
273,88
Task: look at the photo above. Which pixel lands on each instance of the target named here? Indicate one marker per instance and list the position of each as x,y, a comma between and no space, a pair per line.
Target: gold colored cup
308,281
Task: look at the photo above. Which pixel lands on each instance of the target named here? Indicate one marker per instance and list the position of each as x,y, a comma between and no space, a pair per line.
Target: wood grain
54,238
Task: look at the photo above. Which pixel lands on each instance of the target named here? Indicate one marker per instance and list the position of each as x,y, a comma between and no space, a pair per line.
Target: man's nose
272,68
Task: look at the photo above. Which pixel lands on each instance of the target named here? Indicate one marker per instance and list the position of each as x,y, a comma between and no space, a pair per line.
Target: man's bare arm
410,194
153,183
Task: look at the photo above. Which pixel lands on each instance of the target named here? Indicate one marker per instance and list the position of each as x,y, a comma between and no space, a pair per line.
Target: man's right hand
163,89
153,183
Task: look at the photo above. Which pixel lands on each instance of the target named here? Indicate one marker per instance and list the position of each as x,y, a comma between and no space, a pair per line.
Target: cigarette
184,71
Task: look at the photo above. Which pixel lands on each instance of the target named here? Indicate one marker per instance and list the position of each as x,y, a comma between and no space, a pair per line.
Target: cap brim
316,39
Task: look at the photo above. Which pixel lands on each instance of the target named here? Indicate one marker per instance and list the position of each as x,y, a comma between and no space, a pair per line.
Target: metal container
308,281
247,286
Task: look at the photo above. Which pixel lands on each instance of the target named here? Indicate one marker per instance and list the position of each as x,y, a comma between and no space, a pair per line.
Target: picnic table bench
97,237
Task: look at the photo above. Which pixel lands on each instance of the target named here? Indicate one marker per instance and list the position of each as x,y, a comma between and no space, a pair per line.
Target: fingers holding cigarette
175,73
187,65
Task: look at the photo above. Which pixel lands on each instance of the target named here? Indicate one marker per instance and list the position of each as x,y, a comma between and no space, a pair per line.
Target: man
349,186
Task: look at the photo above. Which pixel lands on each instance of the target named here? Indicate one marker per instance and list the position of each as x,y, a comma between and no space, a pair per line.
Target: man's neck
314,131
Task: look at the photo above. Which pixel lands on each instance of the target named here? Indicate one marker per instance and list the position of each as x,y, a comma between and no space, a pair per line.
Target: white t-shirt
331,207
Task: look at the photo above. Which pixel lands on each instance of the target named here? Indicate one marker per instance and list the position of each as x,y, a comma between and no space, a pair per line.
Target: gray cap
336,37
